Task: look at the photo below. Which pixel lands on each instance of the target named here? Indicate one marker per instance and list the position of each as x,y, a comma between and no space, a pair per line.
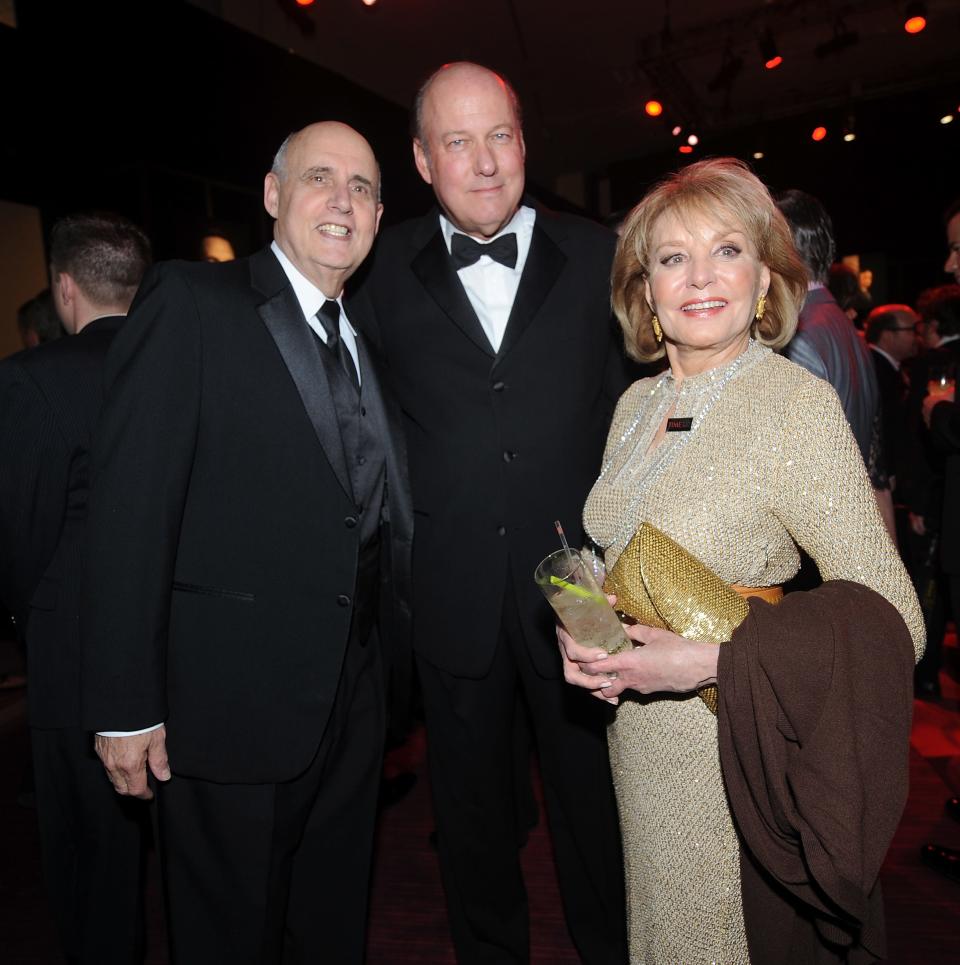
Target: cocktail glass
570,588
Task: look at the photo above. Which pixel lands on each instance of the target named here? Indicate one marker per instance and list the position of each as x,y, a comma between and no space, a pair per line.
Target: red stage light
819,133
773,62
686,149
913,25
304,3
653,108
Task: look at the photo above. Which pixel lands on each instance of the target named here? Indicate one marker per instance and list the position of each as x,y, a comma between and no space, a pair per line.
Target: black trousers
274,873
91,844
470,736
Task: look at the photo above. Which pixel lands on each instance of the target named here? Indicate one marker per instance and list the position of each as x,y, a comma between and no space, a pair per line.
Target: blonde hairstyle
720,189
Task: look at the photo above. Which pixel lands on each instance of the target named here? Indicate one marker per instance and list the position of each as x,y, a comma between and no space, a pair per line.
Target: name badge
680,425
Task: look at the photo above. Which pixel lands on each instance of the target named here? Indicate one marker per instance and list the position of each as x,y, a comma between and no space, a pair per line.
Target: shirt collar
308,295
521,223
886,355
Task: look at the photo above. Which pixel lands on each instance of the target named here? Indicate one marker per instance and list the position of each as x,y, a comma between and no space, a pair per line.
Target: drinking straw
563,539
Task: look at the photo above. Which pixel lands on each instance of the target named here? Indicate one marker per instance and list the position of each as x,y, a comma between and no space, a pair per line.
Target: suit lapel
283,317
432,266
544,264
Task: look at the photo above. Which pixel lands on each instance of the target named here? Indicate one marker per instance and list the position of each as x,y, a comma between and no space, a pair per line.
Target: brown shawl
814,727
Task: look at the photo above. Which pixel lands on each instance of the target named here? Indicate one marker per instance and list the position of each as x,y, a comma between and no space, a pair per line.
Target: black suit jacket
945,431
503,443
50,399
891,391
223,538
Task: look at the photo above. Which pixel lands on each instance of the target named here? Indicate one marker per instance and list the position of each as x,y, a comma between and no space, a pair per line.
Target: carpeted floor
408,922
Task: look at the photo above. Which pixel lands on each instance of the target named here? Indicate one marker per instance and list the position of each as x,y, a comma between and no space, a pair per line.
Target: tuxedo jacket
50,399
501,443
223,536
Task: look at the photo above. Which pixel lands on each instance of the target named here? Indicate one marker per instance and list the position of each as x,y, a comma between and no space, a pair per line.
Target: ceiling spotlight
946,119
849,129
758,155
819,133
693,140
653,107
915,19
768,50
677,130
686,149
304,3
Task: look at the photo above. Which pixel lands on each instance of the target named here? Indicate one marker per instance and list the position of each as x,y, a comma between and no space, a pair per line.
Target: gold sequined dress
769,464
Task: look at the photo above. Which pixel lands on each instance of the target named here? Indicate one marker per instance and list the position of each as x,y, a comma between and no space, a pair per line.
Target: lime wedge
580,591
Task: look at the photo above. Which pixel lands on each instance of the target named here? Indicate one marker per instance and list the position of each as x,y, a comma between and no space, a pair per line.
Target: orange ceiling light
915,18
819,133
305,3
768,50
653,108
686,149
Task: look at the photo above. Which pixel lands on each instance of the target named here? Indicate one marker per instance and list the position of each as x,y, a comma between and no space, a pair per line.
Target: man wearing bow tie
494,318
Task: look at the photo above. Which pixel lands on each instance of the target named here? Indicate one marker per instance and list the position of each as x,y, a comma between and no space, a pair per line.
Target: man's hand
126,760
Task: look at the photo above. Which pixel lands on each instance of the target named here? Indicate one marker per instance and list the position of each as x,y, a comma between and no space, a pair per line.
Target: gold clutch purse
658,583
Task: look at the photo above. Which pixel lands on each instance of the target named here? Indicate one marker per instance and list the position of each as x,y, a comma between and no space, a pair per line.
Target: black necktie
465,251
329,318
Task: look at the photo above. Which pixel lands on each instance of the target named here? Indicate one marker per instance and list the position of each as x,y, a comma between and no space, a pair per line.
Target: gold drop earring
761,307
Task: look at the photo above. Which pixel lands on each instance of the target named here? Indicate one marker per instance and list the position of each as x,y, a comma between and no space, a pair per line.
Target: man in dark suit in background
495,322
249,523
891,334
50,399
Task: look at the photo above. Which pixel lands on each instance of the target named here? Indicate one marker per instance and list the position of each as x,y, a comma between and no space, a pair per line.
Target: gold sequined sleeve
825,501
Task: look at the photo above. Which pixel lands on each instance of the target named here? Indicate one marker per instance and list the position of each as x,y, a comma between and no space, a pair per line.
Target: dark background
171,116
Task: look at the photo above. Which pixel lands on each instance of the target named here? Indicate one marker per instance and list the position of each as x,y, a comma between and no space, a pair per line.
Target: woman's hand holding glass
660,662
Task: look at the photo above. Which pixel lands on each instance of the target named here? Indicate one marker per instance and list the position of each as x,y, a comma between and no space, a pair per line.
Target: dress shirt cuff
127,733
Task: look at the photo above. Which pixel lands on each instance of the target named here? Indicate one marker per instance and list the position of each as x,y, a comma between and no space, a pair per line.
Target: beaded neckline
698,394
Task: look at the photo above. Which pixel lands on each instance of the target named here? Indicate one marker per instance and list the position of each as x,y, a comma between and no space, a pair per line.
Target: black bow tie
465,251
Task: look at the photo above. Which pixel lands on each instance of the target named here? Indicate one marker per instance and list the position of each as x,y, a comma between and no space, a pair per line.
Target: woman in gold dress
741,457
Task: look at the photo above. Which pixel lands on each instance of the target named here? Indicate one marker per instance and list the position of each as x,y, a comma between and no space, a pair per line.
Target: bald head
469,148
279,166
893,328
323,191
462,69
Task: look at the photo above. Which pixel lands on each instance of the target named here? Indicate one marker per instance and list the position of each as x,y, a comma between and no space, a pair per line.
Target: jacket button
499,386
501,531
350,522
343,600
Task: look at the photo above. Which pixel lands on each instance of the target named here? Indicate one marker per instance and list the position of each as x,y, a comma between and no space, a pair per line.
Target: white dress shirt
490,286
311,299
